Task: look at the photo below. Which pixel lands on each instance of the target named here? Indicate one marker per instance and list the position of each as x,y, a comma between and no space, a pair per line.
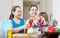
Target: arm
20,27
15,30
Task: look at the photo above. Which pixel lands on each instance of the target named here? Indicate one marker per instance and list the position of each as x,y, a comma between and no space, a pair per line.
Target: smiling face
17,12
33,11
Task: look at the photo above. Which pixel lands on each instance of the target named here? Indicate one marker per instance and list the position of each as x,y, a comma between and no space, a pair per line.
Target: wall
52,7
26,15
48,8
5,7
42,6
56,11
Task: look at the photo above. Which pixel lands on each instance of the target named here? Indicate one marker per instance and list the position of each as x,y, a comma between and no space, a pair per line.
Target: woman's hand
25,26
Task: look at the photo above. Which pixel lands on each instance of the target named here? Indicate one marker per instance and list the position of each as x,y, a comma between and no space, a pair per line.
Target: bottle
9,34
30,21
39,33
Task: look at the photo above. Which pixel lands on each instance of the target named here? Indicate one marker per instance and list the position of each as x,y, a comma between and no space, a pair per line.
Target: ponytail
11,16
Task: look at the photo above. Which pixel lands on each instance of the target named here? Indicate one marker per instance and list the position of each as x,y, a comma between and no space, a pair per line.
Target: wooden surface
25,35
